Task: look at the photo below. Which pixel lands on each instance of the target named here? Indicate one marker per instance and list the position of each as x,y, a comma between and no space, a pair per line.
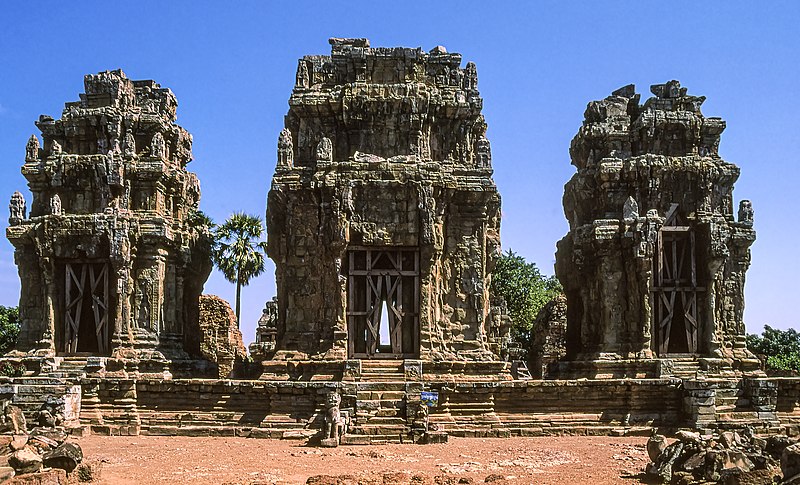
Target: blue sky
232,67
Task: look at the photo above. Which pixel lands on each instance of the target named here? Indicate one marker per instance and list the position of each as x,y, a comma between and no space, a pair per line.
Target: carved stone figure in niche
32,149
483,153
16,209
130,144
55,148
746,212
157,146
285,149
55,205
144,306
325,150
302,78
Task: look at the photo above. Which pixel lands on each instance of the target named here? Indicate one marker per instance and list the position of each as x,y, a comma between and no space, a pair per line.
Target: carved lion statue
334,424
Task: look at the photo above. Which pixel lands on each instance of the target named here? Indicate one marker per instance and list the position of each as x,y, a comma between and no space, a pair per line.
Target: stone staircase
683,367
382,371
70,368
380,413
380,405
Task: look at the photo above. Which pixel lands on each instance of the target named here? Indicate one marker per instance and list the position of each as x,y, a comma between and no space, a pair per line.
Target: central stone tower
383,219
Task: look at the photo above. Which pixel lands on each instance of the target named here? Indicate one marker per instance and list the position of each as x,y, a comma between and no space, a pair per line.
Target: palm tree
237,252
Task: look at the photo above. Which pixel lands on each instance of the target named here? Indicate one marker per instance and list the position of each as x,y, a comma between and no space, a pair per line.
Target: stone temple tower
383,219
654,263
113,255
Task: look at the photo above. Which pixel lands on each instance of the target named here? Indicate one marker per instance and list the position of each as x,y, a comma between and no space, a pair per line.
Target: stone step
379,430
382,421
380,395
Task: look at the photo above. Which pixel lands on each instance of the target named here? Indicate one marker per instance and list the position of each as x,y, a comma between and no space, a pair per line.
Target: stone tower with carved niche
110,260
654,263
383,219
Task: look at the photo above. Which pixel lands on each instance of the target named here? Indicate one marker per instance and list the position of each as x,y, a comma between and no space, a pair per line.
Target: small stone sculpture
746,212
470,76
325,150
55,148
302,78
32,149
16,209
285,149
483,153
130,144
157,147
334,424
55,205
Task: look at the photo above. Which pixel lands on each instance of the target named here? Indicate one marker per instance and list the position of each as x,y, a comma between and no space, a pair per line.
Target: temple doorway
86,310
675,287
383,303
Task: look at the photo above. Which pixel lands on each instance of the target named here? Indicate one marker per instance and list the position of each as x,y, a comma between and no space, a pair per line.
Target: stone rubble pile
728,457
42,455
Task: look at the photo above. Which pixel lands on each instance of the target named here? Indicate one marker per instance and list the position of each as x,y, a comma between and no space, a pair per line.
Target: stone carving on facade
484,153
746,212
630,211
325,150
285,150
55,205
266,332
157,147
32,149
470,76
408,199
129,144
302,79
16,209
144,279
616,266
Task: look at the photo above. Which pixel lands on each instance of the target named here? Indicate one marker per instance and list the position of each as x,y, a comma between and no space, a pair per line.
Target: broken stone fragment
790,462
25,460
662,467
66,457
655,446
688,437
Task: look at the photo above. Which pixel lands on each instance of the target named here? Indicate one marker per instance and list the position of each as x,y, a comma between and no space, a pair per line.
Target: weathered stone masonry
383,202
109,259
654,263
382,207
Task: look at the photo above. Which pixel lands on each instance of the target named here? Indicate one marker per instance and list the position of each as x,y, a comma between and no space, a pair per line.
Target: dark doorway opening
383,303
87,309
675,288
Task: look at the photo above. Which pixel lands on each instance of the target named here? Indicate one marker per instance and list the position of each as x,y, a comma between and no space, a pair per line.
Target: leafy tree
780,347
238,253
9,328
525,289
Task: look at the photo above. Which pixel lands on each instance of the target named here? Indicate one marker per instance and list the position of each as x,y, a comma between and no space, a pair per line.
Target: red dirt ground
552,460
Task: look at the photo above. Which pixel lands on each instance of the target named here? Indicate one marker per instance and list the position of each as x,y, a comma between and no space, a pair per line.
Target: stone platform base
680,366
410,401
